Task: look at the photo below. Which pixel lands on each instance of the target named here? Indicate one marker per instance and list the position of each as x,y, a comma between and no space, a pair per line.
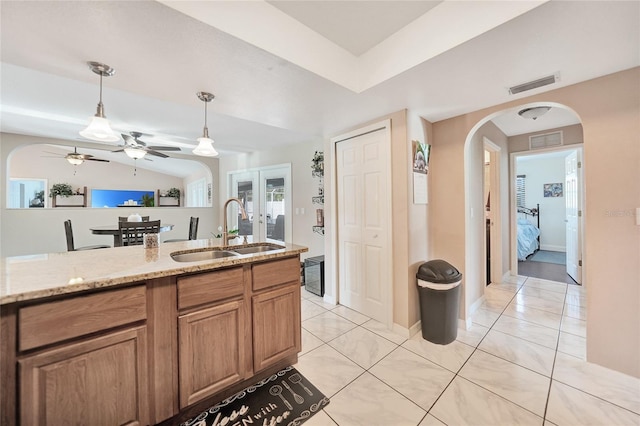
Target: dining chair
193,231
132,233
68,230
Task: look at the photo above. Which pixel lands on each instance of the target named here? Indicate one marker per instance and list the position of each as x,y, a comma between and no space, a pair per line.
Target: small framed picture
553,190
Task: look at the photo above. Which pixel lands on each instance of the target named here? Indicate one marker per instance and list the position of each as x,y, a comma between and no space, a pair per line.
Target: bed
528,232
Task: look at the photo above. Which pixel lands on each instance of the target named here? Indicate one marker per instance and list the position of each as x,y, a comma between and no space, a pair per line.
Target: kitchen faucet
225,232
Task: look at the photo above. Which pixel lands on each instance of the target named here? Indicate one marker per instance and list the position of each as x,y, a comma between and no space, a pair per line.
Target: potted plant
173,193
61,189
38,199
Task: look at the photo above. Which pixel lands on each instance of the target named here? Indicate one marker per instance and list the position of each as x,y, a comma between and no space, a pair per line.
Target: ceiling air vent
544,81
545,140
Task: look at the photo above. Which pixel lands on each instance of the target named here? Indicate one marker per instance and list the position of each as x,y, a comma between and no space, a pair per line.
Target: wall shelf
81,199
318,172
164,201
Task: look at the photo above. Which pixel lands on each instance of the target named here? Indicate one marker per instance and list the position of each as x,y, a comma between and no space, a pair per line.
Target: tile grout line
555,357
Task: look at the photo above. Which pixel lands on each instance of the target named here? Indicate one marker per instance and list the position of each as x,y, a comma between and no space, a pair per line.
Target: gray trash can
439,292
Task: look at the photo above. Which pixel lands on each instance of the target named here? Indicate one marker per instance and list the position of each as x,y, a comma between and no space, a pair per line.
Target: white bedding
527,238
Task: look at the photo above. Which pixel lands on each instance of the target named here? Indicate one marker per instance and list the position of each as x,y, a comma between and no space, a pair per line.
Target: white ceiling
356,26
288,83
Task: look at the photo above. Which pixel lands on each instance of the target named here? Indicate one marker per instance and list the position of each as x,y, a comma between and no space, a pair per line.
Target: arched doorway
496,128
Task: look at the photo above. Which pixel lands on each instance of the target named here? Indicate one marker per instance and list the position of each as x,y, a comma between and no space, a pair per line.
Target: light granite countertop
44,275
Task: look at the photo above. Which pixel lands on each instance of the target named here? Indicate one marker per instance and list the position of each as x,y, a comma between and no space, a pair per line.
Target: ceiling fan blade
157,154
118,150
129,140
164,148
97,159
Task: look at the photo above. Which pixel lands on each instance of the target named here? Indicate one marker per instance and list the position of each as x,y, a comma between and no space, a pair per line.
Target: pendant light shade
205,143
99,128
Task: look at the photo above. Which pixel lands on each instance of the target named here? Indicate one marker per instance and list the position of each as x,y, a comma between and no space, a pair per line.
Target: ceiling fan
76,158
137,149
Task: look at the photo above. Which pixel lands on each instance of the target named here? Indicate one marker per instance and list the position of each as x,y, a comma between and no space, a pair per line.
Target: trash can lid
439,272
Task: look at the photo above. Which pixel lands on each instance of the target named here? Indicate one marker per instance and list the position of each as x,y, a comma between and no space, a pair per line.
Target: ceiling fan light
205,148
99,130
75,161
534,113
135,153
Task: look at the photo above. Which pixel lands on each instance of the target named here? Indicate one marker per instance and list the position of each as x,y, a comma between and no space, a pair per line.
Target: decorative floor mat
284,398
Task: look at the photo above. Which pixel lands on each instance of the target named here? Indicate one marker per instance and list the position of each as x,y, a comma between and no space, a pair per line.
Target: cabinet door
102,381
276,325
213,350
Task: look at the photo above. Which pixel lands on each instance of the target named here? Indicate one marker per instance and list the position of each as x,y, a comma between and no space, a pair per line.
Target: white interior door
573,216
363,222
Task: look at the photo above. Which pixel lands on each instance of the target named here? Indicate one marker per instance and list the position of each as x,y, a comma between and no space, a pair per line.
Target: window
520,190
197,194
27,193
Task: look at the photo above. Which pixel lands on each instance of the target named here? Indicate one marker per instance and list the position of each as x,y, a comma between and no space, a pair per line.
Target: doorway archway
475,221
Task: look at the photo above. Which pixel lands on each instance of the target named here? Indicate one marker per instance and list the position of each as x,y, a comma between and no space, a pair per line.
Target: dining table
114,230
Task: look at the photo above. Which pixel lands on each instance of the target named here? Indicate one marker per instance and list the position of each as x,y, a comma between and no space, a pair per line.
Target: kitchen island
128,335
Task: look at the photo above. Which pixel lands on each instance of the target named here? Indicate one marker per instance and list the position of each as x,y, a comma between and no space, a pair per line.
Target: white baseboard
507,276
407,333
551,247
474,307
465,324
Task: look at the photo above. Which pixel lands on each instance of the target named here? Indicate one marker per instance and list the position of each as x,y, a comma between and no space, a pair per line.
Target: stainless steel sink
195,256
256,249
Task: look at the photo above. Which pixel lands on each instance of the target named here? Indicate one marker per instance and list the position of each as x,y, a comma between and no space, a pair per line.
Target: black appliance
314,275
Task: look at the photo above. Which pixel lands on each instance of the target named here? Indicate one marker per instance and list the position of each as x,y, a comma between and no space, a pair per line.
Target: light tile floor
522,362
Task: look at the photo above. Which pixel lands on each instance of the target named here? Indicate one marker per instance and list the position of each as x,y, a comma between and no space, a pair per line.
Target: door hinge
579,213
580,262
579,164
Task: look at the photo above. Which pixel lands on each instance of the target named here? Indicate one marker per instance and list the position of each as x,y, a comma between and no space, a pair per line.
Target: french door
266,196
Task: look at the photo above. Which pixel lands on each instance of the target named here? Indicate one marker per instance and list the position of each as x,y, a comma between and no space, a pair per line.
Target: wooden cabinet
101,381
214,340
276,325
141,354
275,311
213,352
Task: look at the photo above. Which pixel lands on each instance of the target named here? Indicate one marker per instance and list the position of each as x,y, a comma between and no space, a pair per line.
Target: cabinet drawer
209,287
47,323
277,272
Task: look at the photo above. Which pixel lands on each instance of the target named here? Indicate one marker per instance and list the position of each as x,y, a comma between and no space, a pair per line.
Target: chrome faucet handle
244,240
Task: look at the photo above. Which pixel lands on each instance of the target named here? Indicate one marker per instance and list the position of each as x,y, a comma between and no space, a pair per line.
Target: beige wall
609,108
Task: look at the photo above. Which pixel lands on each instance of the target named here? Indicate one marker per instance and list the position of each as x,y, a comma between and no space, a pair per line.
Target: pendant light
205,144
99,128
